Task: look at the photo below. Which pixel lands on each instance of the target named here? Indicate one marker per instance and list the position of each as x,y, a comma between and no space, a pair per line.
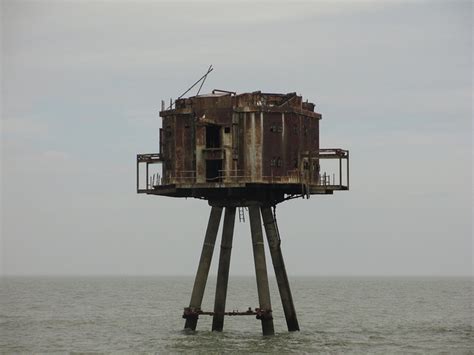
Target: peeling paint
252,138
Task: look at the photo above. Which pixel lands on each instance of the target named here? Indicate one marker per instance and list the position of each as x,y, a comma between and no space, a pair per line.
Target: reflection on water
144,314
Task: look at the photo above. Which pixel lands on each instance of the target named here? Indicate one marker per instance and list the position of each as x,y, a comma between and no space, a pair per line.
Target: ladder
241,214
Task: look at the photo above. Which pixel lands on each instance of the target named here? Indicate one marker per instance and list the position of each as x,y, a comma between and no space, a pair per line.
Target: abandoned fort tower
251,150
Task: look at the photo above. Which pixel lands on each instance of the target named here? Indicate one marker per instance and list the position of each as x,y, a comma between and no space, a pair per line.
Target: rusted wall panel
241,144
226,134
315,146
179,145
189,145
168,146
200,146
252,145
274,154
292,147
261,134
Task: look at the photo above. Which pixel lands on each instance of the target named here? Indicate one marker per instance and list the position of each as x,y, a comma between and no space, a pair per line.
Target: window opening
213,168
213,136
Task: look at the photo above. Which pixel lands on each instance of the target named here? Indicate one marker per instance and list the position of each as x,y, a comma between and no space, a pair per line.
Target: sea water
143,314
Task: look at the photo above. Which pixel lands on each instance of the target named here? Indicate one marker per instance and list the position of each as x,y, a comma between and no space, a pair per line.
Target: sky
82,83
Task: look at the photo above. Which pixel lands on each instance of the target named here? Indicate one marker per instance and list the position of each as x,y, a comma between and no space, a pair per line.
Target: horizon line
245,275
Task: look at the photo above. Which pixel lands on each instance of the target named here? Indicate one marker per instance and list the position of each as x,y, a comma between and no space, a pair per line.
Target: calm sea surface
143,314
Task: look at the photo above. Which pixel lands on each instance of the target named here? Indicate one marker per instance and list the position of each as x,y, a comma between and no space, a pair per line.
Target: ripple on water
364,315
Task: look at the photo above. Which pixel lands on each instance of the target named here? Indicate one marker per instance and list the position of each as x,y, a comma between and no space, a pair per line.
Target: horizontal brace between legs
260,313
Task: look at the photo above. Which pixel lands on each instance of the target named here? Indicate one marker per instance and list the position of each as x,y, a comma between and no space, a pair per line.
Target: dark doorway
213,168
213,136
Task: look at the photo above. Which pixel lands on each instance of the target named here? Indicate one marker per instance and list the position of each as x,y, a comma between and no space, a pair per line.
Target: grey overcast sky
82,83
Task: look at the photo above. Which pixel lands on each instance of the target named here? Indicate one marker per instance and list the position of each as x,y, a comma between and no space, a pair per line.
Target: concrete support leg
223,270
265,313
273,238
203,269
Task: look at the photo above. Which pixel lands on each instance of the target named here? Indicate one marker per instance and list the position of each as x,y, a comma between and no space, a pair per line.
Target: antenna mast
202,78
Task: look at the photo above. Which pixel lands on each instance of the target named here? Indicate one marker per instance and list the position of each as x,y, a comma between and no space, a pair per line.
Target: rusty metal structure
251,150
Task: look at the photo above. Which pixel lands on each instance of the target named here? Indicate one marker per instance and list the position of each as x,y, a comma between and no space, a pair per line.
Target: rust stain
227,140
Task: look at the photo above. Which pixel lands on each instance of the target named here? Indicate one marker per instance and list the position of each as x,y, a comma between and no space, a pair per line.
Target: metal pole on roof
203,80
197,82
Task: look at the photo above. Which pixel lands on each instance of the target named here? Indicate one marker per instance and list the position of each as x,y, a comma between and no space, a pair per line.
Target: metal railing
236,176
307,175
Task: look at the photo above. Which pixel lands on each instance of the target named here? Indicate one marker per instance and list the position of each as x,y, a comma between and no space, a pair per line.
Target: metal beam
138,176
223,269
340,172
271,230
147,172
203,268
347,170
261,272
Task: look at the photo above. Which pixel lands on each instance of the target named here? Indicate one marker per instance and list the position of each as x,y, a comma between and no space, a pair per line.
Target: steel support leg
223,270
271,230
265,313
203,269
